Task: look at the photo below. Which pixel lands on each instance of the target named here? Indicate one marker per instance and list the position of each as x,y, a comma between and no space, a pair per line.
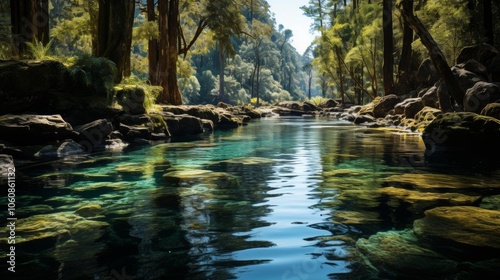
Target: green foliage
318,101
39,51
93,75
151,92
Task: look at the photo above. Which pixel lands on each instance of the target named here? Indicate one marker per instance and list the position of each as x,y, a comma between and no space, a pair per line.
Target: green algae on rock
463,224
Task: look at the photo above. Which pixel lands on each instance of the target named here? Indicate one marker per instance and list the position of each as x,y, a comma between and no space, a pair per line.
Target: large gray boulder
31,129
409,107
386,104
480,95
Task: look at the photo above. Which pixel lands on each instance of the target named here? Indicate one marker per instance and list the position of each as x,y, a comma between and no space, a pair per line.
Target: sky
288,13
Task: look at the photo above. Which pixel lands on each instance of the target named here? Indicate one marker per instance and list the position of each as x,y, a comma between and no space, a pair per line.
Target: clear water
292,205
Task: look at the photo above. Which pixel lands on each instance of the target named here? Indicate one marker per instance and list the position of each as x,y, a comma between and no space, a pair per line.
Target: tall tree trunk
222,65
488,22
341,75
437,57
30,22
114,39
169,26
404,69
388,67
153,51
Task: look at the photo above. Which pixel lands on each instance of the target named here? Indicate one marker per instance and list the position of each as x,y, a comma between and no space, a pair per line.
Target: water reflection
279,199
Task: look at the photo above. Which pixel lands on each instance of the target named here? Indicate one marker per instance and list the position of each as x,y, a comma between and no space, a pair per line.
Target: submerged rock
398,254
58,226
421,200
190,177
442,181
463,224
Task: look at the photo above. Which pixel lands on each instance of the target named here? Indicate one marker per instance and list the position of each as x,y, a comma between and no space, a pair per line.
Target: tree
388,67
30,23
488,22
437,57
222,17
114,34
404,68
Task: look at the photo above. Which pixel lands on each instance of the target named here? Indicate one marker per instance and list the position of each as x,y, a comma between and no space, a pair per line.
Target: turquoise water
277,199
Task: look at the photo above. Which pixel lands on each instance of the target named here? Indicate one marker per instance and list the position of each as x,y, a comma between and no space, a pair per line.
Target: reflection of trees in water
355,161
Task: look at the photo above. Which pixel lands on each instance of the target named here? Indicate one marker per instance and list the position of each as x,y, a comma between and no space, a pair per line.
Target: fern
39,51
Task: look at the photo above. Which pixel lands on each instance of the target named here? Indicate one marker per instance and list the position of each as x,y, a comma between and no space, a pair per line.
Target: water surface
283,198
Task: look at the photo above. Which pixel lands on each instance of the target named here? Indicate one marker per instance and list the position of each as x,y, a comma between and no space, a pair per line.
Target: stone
480,95
29,129
57,227
482,53
475,67
463,224
427,73
492,110
430,97
386,104
90,211
491,202
361,119
430,181
179,125
463,130
409,107
132,99
28,86
423,200
228,121
330,103
427,114
398,252
466,79
192,177
94,134
67,148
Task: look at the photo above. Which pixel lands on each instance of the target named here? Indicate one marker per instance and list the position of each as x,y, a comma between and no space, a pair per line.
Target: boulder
252,113
409,107
132,99
430,97
150,127
386,104
492,110
427,73
228,121
361,119
464,130
27,86
463,224
482,53
66,148
466,79
31,129
94,134
475,67
308,107
330,103
180,125
58,227
399,253
480,95
427,114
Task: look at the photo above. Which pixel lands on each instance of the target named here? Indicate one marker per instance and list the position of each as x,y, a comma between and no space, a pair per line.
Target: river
281,198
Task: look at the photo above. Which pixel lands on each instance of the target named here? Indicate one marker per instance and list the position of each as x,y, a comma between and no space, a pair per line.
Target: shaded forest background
233,51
